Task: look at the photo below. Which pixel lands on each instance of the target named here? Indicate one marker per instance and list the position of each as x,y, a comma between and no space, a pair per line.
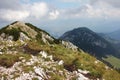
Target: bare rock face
46,38
23,37
3,36
10,38
23,27
25,31
37,67
70,45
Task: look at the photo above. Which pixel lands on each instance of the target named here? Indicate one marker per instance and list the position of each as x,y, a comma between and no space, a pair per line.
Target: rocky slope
29,53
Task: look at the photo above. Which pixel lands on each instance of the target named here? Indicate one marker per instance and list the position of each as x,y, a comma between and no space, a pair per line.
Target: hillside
91,42
29,53
113,41
113,61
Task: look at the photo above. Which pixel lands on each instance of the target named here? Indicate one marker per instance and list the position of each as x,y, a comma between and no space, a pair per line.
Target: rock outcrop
29,53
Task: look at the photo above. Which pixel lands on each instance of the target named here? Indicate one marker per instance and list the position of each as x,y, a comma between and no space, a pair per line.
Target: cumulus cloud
54,14
41,10
95,9
105,8
38,10
22,11
11,15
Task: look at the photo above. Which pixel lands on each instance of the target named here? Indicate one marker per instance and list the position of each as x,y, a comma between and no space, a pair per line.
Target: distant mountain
115,42
30,53
90,42
108,38
114,35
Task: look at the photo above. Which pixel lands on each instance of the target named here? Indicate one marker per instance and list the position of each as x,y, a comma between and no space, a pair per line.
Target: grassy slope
78,60
73,60
113,61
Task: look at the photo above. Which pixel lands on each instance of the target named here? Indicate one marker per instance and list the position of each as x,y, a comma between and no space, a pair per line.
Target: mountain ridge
84,36
92,43
42,57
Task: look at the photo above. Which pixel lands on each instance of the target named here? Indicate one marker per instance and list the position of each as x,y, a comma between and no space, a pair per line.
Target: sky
59,16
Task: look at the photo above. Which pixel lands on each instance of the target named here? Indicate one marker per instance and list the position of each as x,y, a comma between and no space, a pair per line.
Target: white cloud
66,13
16,10
99,9
92,12
11,15
104,9
54,14
38,10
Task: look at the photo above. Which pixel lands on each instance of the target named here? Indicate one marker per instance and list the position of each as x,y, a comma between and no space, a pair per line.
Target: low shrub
7,60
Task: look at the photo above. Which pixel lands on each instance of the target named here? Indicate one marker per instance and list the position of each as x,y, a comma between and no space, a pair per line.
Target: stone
44,54
60,62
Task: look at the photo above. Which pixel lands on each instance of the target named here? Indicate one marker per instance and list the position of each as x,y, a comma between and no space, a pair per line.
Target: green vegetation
56,77
111,75
35,79
77,60
73,60
7,60
14,32
27,69
115,62
35,28
39,36
3,29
